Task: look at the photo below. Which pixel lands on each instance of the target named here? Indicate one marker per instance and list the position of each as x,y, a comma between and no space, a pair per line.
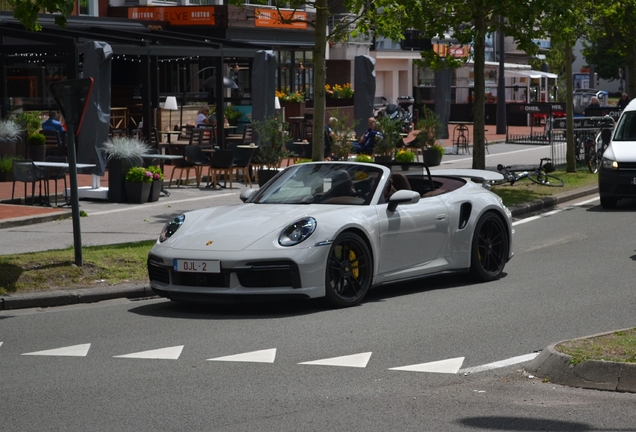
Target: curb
32,220
72,297
591,374
552,201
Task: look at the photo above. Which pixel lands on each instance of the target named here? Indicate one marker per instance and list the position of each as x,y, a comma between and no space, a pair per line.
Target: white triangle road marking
354,360
450,366
170,353
69,351
1,343
262,356
500,364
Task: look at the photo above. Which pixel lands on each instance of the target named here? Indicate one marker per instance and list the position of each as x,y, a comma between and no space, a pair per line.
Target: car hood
236,228
622,151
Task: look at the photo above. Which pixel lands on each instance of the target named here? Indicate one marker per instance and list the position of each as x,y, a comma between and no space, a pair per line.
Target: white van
617,174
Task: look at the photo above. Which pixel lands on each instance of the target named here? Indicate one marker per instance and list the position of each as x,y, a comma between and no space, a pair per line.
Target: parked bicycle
594,152
538,175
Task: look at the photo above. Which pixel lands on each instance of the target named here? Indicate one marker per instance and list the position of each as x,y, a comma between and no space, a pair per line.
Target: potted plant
122,153
138,182
30,122
9,135
343,130
428,126
364,158
405,156
232,115
271,151
390,129
157,183
6,168
37,146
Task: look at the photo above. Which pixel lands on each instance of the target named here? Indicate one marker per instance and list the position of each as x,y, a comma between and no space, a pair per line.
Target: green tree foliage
26,11
606,57
469,22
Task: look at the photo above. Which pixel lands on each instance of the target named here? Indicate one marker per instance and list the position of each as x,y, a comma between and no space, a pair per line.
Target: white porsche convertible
334,229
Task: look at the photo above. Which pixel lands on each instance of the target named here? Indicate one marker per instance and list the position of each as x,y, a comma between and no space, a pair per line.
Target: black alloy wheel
349,270
489,251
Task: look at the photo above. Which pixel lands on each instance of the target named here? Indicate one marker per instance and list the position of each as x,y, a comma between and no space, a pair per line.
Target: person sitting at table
53,123
202,116
367,141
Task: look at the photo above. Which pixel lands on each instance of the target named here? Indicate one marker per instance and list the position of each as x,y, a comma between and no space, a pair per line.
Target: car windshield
626,128
322,183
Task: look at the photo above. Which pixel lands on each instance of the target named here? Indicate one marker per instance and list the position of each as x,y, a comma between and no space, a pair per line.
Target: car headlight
297,232
170,228
609,164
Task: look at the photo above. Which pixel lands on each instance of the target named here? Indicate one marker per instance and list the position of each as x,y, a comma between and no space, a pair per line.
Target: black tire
544,179
591,159
489,250
608,203
349,270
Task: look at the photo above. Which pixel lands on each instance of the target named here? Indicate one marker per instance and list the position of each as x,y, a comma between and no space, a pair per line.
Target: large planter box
117,170
431,157
155,190
138,192
8,147
6,176
37,152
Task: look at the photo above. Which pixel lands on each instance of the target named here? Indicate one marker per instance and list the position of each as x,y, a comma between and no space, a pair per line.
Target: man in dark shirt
52,123
623,101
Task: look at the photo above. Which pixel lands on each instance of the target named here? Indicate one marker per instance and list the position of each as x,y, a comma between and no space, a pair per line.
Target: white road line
171,353
355,360
263,356
499,364
449,366
553,212
70,351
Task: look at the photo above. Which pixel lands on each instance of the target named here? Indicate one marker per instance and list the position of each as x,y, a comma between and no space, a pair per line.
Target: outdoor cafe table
169,134
463,135
95,191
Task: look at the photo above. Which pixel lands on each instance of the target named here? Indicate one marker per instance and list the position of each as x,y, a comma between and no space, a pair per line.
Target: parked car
617,173
334,229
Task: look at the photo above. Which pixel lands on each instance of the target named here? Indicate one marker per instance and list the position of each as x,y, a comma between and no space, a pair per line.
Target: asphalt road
155,365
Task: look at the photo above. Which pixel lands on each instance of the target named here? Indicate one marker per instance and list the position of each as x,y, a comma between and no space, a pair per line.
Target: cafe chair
194,155
181,165
196,137
246,138
242,161
56,174
222,162
25,171
55,145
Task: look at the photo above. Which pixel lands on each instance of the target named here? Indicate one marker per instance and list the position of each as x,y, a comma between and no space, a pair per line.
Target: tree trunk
320,76
479,107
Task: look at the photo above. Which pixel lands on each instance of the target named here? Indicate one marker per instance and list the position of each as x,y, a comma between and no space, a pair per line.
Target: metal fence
554,135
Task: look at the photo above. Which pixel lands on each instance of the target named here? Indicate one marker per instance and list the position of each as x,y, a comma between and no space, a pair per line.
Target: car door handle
440,217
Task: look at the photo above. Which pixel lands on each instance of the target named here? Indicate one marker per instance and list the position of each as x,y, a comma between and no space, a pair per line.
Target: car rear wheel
349,270
489,251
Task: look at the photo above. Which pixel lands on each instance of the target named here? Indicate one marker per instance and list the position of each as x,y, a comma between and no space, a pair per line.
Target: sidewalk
16,214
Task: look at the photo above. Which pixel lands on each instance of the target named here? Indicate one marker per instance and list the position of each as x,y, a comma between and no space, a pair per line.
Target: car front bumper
619,183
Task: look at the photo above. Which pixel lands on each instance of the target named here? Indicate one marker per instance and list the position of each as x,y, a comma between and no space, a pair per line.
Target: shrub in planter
6,168
364,158
269,138
405,156
122,153
343,129
37,146
157,183
9,135
138,182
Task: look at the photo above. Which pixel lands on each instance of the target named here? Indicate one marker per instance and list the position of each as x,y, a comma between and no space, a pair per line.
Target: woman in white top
202,116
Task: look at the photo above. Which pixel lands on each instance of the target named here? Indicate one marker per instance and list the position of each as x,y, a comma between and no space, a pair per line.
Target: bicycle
538,175
594,151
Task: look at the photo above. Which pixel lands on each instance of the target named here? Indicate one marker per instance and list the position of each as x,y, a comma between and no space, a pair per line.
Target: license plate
196,266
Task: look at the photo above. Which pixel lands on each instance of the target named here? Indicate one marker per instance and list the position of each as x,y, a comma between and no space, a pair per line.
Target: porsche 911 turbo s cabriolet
334,230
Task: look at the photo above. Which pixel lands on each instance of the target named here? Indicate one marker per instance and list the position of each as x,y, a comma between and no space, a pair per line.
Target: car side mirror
403,197
246,194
